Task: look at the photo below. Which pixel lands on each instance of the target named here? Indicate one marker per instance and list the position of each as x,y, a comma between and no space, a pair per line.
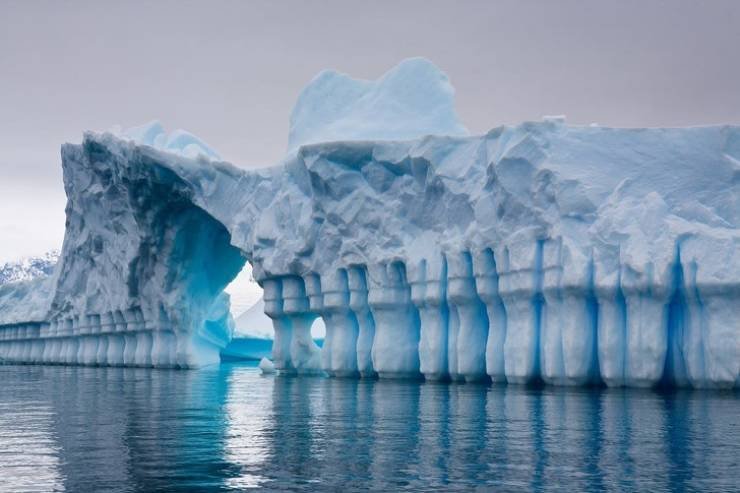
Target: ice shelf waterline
539,252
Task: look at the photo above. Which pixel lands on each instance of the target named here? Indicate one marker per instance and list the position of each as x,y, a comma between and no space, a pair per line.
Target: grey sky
230,71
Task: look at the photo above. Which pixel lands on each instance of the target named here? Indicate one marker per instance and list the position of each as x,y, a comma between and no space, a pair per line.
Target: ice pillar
646,297
273,298
711,347
428,280
395,350
341,322
304,354
487,284
568,338
473,319
612,322
358,302
520,287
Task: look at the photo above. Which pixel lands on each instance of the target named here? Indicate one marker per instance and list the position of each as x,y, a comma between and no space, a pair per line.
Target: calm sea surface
228,428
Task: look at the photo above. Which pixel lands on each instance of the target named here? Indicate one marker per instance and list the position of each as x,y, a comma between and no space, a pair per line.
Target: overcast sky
230,72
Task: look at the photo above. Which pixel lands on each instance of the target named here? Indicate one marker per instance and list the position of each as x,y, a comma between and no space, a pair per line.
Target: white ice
412,100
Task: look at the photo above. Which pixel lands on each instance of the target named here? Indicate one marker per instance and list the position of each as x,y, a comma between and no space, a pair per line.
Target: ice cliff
542,251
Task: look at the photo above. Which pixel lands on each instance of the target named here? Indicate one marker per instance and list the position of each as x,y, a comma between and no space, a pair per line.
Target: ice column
184,353
60,343
164,337
473,332
273,298
74,342
720,350
317,304
568,338
96,329
646,297
358,302
395,350
304,354
487,282
15,346
711,346
46,355
81,342
428,279
520,285
90,342
612,319
38,344
341,322
115,340
135,323
129,347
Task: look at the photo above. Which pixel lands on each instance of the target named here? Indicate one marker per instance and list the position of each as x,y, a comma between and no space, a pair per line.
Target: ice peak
178,141
413,99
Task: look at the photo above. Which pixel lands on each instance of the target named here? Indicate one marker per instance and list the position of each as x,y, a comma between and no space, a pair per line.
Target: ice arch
142,271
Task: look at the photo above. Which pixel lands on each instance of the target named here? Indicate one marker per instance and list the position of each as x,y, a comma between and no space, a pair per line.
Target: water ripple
230,429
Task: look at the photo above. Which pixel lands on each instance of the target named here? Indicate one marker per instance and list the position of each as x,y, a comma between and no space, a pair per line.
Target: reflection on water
230,429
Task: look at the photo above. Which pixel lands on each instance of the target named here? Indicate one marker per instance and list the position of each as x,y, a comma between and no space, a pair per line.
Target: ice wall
568,254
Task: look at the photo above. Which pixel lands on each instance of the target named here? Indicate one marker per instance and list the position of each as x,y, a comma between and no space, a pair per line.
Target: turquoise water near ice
228,428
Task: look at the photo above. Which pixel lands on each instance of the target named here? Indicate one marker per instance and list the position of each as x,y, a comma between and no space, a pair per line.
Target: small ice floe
267,366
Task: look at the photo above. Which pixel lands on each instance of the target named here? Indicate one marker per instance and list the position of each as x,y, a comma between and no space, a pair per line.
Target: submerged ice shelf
570,255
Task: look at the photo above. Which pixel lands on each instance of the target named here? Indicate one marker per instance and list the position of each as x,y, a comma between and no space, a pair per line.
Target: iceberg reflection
230,429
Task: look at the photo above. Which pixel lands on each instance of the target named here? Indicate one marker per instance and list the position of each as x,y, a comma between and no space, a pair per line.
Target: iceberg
253,334
571,255
254,323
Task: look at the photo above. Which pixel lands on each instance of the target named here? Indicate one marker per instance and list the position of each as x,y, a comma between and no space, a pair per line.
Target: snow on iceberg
542,251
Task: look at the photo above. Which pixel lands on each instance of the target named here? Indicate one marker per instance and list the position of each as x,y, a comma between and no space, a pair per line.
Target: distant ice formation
542,251
254,323
29,268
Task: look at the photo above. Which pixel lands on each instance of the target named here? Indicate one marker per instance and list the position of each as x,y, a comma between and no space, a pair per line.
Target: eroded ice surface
573,255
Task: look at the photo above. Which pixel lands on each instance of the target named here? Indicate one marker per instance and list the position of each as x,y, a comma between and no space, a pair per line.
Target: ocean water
228,428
